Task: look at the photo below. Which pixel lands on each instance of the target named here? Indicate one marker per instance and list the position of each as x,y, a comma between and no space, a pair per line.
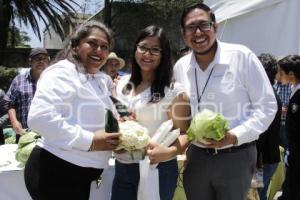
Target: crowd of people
66,103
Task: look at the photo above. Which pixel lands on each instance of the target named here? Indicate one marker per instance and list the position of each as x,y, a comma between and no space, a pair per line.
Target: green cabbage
23,153
27,138
10,140
9,136
25,146
207,125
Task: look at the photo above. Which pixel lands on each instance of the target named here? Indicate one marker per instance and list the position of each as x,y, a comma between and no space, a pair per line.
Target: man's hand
229,139
17,126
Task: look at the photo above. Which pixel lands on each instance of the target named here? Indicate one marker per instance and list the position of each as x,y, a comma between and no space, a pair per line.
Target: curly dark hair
291,63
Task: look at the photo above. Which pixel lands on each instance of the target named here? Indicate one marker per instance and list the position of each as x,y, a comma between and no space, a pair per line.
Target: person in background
127,68
113,65
154,99
268,142
290,66
68,112
3,116
283,89
22,90
184,51
228,79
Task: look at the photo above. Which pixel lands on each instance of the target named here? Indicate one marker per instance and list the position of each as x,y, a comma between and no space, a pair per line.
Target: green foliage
166,7
29,12
6,76
17,38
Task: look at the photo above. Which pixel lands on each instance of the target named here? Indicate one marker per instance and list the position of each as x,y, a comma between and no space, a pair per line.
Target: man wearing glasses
22,90
228,79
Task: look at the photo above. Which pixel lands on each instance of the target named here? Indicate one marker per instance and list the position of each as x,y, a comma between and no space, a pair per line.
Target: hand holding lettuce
207,125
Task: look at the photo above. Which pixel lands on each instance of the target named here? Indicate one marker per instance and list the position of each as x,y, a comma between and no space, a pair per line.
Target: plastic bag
149,181
162,132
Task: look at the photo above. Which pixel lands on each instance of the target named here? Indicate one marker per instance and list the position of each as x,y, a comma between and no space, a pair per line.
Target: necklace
203,90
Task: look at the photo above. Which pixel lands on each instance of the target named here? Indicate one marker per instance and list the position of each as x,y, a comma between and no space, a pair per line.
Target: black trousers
2,141
222,176
48,177
292,180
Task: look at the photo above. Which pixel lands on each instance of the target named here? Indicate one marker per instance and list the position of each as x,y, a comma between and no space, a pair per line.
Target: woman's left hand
158,153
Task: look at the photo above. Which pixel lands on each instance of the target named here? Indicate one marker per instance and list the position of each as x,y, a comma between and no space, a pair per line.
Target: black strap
200,96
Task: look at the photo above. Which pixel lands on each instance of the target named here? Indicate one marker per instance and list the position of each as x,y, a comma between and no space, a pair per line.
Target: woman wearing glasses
69,114
152,96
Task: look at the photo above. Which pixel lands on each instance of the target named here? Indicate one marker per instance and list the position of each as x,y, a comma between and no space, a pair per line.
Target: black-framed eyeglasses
203,26
152,50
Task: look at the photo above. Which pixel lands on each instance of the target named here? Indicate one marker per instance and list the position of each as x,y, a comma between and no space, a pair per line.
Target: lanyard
200,96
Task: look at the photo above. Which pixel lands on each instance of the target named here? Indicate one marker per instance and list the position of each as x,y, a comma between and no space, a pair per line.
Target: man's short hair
290,63
201,6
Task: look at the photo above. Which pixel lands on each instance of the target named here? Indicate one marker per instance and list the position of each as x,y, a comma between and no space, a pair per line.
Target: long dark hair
82,32
163,73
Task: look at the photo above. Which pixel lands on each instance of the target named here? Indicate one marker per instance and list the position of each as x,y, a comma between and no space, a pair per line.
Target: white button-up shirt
294,89
238,88
68,107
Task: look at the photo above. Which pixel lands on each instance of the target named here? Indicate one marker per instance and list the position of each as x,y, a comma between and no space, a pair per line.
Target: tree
164,8
107,12
54,12
108,7
167,7
91,6
17,38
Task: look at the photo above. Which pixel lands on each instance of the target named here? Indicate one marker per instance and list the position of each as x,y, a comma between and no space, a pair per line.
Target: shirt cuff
84,142
241,134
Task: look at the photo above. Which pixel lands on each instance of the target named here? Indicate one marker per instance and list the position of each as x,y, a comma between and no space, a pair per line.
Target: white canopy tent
265,26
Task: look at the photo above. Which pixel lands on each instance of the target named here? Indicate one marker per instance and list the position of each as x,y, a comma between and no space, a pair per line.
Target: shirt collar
86,76
295,88
28,75
219,58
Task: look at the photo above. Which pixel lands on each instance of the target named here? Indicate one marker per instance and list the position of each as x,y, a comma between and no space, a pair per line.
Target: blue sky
91,7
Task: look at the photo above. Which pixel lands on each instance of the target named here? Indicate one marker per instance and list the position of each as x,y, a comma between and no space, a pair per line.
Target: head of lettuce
207,125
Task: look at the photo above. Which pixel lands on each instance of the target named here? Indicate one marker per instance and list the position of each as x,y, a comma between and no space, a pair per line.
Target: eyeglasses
203,26
152,50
